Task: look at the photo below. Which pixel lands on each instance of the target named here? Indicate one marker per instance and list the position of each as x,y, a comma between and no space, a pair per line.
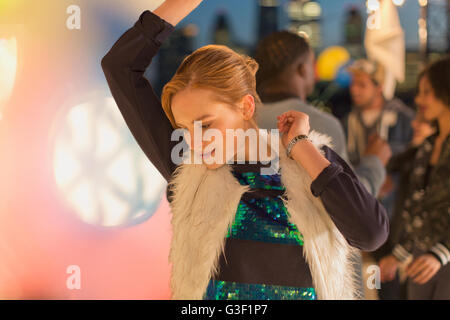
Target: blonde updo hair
228,74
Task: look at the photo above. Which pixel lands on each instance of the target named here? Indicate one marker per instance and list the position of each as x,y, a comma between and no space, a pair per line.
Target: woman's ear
248,106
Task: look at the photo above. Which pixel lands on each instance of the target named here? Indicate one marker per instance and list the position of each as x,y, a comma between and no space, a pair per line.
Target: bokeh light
100,170
8,67
398,2
329,62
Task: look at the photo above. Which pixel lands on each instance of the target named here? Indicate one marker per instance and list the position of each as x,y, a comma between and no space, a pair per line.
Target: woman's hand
423,268
379,148
173,11
388,268
421,130
291,124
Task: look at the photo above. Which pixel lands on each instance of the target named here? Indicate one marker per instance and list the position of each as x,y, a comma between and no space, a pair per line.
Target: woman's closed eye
205,125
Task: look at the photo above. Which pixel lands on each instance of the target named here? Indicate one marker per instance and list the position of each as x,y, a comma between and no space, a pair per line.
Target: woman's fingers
425,275
390,273
416,267
288,118
284,118
291,113
284,122
284,128
288,115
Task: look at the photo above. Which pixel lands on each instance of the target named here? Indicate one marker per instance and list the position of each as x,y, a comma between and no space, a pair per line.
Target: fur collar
204,205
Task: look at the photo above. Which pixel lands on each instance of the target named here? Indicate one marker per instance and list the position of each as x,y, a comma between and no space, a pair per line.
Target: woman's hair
275,53
228,74
438,74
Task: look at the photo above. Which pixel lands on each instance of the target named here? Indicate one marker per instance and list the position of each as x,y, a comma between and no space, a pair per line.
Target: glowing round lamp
101,172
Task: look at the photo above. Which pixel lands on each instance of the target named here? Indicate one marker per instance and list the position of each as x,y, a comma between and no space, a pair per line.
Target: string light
423,3
372,5
398,3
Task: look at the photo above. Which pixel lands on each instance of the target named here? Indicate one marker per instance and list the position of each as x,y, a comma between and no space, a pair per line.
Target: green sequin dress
261,216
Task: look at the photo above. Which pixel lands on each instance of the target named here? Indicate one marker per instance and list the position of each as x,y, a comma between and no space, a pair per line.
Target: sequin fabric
223,290
263,218
260,217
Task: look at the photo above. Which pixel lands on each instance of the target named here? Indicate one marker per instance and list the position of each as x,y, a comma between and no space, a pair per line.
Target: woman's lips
205,155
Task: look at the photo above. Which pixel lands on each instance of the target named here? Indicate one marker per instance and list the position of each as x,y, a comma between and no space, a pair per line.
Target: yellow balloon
329,62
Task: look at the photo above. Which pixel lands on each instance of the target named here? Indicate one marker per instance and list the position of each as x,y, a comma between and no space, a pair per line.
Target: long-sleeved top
357,214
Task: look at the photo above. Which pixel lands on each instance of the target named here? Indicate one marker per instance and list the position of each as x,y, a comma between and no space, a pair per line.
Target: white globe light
312,9
100,170
373,5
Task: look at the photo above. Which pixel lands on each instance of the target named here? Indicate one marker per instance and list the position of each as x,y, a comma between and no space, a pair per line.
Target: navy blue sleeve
359,216
124,66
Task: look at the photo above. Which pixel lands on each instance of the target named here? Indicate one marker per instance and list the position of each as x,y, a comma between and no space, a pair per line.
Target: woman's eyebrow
198,119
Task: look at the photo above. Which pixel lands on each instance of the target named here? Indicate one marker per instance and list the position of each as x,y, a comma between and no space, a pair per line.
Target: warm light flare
8,68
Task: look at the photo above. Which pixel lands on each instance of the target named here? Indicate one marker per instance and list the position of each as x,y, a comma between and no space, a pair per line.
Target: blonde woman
238,233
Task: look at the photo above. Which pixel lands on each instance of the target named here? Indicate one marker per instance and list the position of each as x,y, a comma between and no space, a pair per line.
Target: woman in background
423,242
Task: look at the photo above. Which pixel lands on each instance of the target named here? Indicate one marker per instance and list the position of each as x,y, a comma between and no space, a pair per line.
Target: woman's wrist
395,259
293,141
307,155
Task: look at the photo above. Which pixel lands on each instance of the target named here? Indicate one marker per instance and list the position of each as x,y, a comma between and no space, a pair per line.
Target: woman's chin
213,163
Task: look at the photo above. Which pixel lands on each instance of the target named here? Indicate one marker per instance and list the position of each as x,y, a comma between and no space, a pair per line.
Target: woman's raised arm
173,11
124,66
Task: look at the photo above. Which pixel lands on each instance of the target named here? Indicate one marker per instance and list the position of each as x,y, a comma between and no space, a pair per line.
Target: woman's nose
417,100
191,142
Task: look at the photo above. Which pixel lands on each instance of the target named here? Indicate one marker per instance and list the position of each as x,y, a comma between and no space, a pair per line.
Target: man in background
285,79
374,117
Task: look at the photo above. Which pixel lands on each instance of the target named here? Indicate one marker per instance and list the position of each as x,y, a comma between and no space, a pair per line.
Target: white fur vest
204,205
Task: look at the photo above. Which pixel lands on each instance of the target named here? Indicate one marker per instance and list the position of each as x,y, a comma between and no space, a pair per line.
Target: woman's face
428,104
200,104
